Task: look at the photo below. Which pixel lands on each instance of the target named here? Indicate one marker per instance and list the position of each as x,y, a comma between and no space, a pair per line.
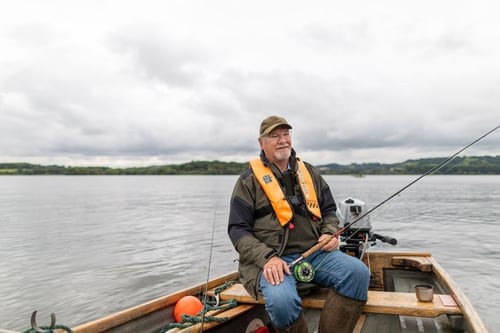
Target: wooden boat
392,302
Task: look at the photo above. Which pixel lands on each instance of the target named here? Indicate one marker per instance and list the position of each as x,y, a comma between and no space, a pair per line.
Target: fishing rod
204,310
308,268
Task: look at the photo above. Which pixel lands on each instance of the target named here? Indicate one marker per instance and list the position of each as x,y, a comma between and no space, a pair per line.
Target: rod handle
317,247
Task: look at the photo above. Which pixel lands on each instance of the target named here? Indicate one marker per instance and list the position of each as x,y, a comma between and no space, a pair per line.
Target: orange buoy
189,305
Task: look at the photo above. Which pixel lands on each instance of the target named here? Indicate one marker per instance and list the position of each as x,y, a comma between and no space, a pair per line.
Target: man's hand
274,270
333,244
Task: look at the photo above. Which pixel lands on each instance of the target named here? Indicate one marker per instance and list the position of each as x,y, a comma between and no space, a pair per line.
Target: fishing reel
303,271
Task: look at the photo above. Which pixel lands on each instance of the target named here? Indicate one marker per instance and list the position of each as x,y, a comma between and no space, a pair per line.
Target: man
281,207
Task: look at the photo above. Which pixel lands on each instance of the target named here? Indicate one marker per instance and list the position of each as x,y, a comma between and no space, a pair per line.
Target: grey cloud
346,84
174,63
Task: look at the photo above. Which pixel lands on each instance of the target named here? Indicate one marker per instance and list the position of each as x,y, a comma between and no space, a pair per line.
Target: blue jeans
347,275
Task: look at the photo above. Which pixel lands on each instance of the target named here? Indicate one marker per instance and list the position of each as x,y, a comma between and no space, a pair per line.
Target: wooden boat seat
382,302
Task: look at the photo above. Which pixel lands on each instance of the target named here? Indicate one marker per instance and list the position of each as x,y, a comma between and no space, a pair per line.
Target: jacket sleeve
241,221
328,212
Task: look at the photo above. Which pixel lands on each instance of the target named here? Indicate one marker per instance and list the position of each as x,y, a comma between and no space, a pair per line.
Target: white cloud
151,82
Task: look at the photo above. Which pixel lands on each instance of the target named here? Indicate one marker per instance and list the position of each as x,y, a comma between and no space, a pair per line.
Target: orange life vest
275,194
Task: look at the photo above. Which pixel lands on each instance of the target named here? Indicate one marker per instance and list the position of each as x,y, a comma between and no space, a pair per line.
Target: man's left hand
333,244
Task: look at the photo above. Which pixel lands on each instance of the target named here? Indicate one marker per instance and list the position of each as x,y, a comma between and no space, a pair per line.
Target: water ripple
84,247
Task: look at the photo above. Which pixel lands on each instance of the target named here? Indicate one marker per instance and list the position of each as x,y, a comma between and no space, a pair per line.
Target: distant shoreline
465,165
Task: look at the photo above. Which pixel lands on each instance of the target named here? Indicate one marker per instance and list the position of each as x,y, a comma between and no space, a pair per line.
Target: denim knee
347,275
282,301
357,281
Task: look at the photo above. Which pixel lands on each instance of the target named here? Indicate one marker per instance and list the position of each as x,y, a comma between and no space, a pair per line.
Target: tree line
465,165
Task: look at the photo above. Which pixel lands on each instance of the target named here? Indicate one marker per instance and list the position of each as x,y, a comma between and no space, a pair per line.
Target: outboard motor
354,240
349,211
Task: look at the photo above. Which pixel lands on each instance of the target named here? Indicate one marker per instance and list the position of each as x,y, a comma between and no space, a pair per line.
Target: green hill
472,165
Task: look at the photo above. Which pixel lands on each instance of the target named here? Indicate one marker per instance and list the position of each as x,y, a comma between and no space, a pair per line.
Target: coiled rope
209,305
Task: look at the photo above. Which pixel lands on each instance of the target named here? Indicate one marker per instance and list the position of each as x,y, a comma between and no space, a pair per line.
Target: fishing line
450,167
433,169
208,273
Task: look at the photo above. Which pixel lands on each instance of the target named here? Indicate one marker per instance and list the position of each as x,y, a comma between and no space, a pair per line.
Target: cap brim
272,127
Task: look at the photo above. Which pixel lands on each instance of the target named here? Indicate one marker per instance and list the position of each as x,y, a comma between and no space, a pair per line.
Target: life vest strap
282,206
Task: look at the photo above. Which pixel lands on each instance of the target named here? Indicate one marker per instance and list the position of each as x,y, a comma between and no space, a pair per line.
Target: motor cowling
350,210
353,240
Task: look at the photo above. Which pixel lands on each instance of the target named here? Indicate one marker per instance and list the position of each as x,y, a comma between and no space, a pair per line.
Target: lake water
87,246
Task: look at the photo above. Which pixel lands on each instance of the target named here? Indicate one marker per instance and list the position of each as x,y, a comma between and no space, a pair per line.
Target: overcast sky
132,83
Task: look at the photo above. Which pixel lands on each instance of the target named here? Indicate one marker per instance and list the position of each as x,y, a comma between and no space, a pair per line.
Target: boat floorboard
404,324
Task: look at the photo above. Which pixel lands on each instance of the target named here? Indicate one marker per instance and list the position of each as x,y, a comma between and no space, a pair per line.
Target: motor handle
386,239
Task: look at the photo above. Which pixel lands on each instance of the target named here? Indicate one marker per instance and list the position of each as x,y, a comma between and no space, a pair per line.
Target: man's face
277,145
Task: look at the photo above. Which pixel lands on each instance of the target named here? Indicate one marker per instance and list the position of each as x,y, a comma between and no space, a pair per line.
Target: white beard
281,155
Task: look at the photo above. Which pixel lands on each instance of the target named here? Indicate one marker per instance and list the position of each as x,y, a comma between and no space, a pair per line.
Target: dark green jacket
255,231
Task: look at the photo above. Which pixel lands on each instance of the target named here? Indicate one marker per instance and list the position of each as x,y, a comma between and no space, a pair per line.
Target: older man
281,207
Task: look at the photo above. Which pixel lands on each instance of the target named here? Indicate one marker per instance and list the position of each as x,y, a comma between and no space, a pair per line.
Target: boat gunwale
129,314
468,311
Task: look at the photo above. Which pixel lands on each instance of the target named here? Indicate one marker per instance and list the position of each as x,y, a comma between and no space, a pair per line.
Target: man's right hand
274,270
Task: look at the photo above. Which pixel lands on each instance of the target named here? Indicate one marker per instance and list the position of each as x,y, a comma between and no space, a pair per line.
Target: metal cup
424,292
